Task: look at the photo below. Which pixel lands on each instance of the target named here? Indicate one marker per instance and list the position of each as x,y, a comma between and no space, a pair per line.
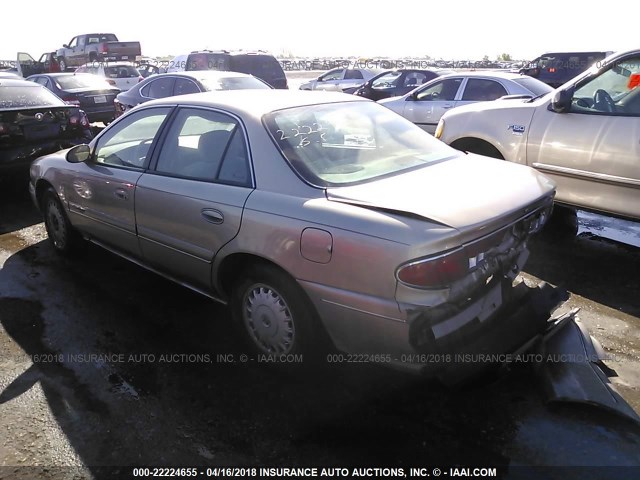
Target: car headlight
439,129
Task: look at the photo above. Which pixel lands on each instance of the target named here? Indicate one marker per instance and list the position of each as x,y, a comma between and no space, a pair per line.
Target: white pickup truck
585,135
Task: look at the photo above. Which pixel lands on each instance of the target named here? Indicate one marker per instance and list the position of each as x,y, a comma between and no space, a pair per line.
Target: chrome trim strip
599,177
363,311
142,237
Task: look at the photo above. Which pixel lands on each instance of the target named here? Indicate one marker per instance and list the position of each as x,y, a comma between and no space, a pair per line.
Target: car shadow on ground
174,390
600,269
16,208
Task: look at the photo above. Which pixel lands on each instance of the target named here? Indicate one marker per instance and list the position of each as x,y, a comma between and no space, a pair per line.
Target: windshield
348,143
21,97
69,82
534,85
233,83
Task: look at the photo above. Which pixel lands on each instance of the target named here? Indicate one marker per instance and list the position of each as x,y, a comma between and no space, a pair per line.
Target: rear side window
160,88
184,86
480,89
353,75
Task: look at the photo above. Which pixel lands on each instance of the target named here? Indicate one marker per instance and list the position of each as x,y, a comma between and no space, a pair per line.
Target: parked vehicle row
171,84
425,105
584,136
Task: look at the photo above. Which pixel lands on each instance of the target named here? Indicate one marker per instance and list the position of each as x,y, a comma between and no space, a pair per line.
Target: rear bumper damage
567,361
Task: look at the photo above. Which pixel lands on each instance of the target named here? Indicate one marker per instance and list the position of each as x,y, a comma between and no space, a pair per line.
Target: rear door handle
447,106
121,193
213,216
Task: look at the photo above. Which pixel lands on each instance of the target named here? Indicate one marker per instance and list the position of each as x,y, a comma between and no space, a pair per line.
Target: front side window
614,92
332,75
480,90
129,142
352,142
443,90
388,80
205,145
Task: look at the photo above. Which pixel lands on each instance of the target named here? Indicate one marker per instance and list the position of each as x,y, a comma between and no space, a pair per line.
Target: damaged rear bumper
568,362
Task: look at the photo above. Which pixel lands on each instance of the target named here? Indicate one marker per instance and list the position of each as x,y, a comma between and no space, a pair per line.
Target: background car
34,122
170,84
148,69
557,68
311,215
27,66
89,92
257,63
426,104
10,75
122,75
339,79
394,83
584,136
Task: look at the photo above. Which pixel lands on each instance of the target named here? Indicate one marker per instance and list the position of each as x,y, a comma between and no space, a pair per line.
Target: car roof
109,64
205,74
484,73
257,102
62,74
10,82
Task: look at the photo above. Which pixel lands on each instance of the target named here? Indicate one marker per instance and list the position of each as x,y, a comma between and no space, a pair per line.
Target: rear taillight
436,272
72,101
103,48
4,128
74,120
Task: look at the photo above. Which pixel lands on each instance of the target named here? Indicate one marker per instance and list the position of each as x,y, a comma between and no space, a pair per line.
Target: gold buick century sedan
311,214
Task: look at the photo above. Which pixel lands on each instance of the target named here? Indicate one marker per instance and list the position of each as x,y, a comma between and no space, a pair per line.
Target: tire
63,64
64,238
273,313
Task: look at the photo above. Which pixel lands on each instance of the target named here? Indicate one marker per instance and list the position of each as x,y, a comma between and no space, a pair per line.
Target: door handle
213,216
447,106
121,193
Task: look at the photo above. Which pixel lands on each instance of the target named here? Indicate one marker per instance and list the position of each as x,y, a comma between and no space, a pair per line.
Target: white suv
585,135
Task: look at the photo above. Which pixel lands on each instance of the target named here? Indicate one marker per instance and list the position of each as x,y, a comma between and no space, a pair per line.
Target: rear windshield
101,37
351,142
21,97
69,82
233,83
121,71
534,85
262,66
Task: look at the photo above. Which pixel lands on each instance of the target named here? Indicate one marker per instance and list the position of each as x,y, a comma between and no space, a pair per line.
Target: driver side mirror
561,102
78,154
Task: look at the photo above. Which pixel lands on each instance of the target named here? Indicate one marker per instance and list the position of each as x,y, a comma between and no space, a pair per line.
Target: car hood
466,192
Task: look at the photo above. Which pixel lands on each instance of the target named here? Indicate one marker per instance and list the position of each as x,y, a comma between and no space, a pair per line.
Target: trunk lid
469,192
39,123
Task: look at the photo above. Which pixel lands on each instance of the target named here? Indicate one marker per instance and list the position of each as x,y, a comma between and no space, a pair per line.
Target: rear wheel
64,238
273,312
63,64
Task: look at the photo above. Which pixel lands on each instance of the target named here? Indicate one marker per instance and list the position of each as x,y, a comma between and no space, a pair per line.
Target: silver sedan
313,215
426,104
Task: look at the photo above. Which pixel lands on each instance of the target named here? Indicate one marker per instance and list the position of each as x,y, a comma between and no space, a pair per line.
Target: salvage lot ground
183,411
178,400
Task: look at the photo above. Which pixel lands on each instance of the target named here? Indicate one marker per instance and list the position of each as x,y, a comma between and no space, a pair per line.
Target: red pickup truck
94,47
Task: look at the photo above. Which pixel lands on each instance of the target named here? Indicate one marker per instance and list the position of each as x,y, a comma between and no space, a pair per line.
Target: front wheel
62,235
273,312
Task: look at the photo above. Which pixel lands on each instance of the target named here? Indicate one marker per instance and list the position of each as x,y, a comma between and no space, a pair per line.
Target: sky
461,30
